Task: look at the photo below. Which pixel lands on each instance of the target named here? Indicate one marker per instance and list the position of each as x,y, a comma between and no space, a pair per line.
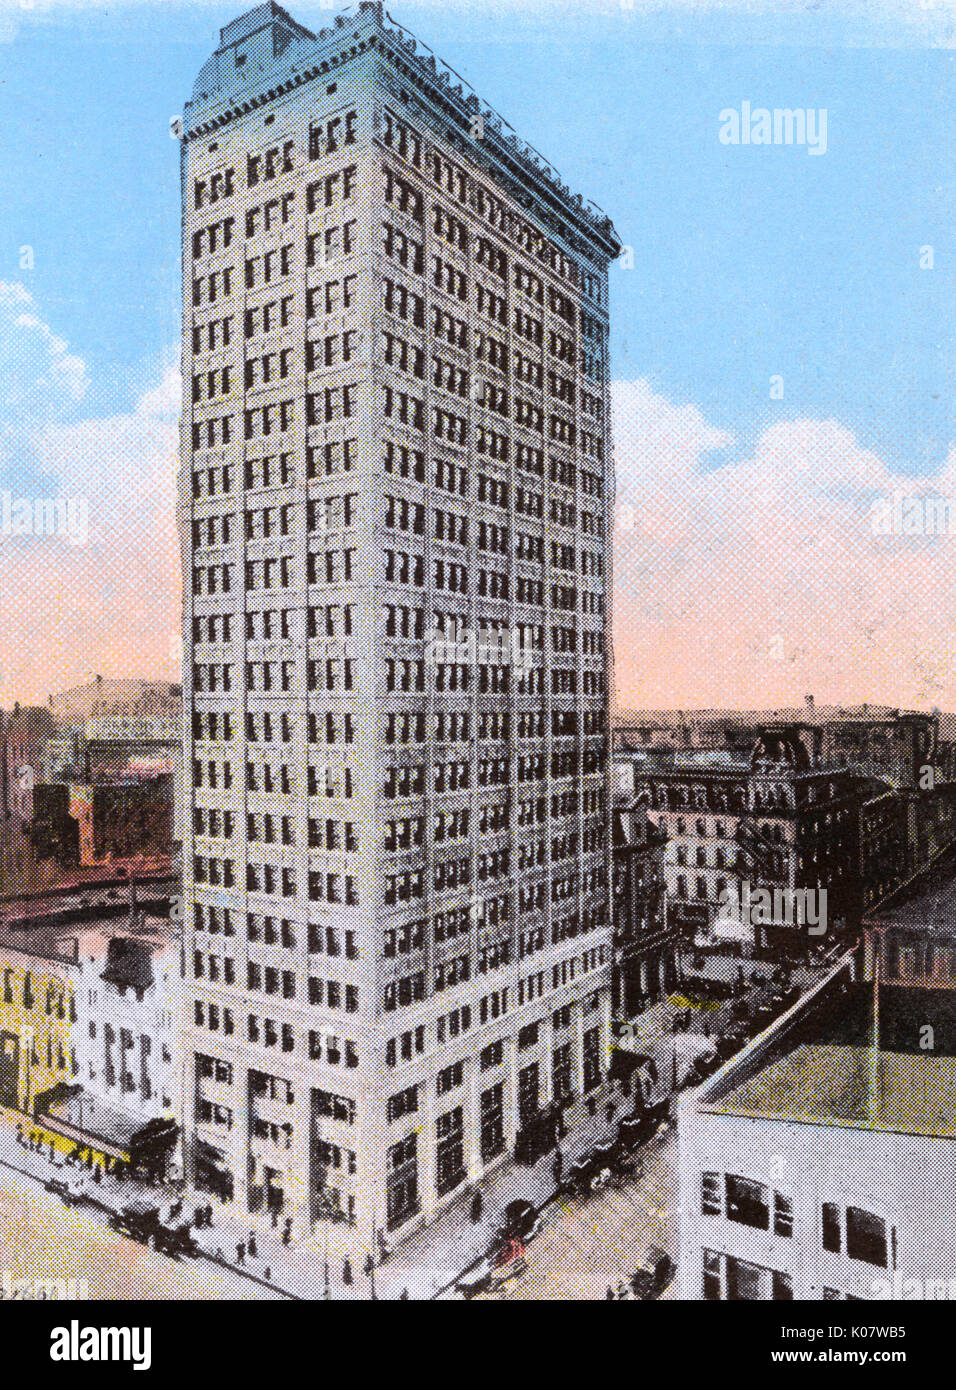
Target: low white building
820,1163
128,1004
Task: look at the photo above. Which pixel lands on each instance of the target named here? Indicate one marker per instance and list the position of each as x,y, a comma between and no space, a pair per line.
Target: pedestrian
267,1274
609,1111
209,1215
241,1253
592,1105
403,1294
287,1231
383,1248
476,1206
369,1267
253,1247
97,1174
346,1271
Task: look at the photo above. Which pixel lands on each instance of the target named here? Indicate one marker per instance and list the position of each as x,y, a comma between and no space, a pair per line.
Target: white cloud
755,582
110,605
39,375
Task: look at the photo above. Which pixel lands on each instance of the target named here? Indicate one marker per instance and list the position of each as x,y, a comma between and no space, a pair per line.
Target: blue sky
748,262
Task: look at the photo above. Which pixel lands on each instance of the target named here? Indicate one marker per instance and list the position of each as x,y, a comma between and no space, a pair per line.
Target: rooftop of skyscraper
237,78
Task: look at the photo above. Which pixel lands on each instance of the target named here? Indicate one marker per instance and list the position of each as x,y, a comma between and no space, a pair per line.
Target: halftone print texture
525,870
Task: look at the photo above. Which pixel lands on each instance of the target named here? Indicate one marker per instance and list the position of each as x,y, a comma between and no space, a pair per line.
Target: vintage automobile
520,1221
476,1280
653,1274
138,1220
494,1271
637,1129
70,1190
176,1240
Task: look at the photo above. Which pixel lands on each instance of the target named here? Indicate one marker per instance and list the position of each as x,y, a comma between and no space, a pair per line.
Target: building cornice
525,173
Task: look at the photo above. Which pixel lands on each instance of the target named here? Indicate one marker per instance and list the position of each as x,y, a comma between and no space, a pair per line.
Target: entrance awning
731,929
76,1115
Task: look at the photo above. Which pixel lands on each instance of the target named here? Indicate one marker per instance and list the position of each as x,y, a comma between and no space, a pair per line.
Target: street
41,1239
590,1243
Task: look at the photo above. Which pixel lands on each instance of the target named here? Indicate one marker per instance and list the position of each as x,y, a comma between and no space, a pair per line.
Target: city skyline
715,478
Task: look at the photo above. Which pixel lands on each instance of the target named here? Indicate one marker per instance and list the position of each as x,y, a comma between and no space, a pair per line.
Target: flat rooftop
837,1086
817,1066
926,904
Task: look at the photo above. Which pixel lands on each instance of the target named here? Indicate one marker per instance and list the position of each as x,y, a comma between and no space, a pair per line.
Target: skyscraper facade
394,509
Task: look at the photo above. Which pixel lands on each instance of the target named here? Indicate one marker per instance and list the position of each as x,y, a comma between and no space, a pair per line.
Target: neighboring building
884,839
775,819
89,777
90,1021
905,763
646,949
129,1052
23,737
811,1165
116,700
877,741
395,449
37,1020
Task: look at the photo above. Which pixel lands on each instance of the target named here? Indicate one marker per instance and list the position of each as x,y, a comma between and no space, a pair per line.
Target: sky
781,345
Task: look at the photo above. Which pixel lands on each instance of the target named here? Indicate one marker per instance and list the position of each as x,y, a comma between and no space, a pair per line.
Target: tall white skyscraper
395,503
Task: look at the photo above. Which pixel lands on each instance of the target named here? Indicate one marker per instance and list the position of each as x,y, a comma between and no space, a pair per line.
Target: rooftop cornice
374,29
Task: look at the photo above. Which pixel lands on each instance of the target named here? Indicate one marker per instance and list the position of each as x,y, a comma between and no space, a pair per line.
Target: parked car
138,1220
176,1240
637,1129
70,1190
653,1274
520,1221
476,1280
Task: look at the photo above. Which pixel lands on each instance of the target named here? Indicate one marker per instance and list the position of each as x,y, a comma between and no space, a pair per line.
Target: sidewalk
434,1256
424,1264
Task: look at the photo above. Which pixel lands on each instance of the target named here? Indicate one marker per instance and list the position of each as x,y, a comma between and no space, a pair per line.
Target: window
403,1103
865,1236
402,1181
832,1228
711,1279
492,1122
592,1058
710,1194
726,1277
747,1202
782,1215
450,1152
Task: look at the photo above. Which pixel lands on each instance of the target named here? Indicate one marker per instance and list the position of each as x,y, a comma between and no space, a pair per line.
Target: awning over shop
625,1063
81,1117
731,929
